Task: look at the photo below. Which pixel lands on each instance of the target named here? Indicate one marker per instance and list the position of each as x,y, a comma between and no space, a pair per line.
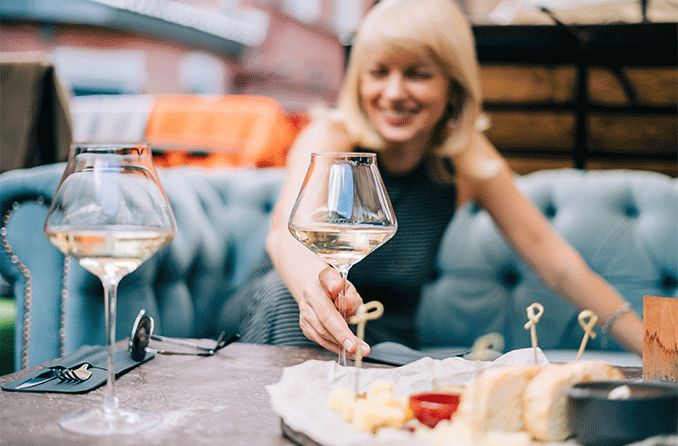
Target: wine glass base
101,423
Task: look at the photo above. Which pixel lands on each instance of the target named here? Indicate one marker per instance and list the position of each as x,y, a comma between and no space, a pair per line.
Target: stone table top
203,400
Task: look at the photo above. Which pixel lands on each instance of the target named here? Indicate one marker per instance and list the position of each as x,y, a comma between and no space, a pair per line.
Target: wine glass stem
111,402
342,309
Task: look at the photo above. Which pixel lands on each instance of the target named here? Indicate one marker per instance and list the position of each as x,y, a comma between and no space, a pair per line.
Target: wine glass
342,213
111,214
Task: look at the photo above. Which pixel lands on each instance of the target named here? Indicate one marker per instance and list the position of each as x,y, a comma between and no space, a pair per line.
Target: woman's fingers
324,341
310,332
315,331
319,318
330,320
333,285
353,299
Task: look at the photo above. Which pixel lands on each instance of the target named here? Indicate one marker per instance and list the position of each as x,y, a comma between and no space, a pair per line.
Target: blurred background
576,83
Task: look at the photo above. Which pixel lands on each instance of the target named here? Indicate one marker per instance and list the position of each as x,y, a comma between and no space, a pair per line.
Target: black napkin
97,355
393,353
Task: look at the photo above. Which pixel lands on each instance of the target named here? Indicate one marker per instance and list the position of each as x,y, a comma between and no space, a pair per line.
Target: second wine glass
110,212
343,213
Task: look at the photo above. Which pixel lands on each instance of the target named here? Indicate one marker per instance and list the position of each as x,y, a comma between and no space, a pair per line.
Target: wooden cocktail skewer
366,312
531,324
587,319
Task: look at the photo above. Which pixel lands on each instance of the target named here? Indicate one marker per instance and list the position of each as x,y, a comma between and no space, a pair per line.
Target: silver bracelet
619,312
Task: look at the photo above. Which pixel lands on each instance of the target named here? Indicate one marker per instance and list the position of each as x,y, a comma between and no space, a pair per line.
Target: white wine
111,253
342,246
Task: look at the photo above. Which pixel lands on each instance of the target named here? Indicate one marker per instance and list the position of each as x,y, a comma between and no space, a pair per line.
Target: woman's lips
398,119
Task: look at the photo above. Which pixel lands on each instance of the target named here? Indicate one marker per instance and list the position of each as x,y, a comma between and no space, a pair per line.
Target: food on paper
373,410
493,401
545,400
370,417
342,400
440,386
459,433
514,405
430,408
510,403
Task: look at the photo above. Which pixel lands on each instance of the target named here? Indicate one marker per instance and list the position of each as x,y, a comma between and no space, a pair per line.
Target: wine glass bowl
111,214
342,212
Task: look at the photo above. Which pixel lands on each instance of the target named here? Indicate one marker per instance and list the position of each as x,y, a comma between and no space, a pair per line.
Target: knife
45,376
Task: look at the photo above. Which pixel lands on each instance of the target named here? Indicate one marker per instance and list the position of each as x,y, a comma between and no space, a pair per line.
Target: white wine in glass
342,213
111,214
115,251
341,245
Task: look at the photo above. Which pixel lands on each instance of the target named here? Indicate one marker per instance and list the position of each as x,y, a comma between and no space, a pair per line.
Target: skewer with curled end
366,312
534,312
588,320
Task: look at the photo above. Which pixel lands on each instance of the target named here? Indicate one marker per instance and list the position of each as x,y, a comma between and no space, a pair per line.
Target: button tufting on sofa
550,211
510,278
669,284
268,207
631,211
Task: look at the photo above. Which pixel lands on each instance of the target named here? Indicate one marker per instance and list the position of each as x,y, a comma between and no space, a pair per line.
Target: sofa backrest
622,222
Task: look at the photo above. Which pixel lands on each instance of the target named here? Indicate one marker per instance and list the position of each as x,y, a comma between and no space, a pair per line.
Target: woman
412,94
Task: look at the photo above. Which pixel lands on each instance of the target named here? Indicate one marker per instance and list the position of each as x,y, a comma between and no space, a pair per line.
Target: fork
77,373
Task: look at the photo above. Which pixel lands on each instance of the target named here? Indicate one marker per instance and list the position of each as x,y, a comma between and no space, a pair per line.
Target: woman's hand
319,316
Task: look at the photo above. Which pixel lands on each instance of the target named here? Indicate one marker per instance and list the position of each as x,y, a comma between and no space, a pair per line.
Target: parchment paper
300,397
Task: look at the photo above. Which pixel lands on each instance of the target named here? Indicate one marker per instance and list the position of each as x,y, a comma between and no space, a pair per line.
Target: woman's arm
558,264
313,285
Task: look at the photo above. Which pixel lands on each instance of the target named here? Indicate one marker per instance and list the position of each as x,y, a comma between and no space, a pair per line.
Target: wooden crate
654,86
534,115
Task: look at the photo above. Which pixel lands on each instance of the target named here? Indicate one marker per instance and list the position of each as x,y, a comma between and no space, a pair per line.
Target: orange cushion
240,130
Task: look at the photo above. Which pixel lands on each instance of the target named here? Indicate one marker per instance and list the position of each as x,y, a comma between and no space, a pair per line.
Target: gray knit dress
393,274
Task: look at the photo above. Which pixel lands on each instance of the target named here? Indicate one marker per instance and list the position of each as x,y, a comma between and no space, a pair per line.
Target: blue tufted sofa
623,222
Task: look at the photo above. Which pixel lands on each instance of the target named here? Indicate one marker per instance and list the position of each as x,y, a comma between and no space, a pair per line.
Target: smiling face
403,95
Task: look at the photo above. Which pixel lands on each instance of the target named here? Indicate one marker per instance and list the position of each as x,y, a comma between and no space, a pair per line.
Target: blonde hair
438,30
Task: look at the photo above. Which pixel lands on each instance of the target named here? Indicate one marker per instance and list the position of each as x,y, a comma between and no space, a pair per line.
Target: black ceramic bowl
641,410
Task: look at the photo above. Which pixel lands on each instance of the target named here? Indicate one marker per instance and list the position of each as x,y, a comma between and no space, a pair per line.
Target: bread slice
458,433
545,399
493,400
